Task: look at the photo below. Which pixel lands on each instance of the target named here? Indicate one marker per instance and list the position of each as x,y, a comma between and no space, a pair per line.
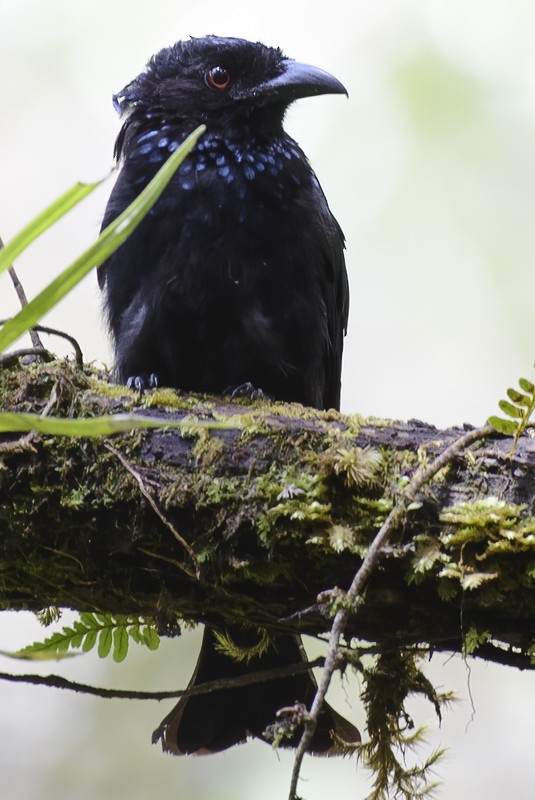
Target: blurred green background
430,169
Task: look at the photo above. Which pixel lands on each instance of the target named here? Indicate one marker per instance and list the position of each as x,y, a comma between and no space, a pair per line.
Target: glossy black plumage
237,274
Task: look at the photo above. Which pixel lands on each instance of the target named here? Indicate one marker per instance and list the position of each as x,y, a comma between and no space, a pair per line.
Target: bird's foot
142,383
248,391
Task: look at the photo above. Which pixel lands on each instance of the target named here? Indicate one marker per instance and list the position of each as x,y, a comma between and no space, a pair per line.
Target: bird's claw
142,383
247,390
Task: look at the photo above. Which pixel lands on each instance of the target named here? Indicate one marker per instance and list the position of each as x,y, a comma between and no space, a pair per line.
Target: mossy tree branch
249,512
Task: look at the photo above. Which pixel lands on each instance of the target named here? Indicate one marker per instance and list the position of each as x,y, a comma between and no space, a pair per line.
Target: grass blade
90,427
43,221
109,240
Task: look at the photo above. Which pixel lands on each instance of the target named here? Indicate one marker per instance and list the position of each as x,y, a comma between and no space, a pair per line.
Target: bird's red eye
218,78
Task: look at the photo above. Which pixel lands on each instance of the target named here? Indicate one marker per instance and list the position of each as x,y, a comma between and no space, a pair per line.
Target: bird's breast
229,177
231,218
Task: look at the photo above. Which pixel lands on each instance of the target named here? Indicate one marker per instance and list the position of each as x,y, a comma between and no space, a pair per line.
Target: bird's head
220,81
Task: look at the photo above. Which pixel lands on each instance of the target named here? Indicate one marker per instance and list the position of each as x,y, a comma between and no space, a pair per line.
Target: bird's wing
114,207
332,275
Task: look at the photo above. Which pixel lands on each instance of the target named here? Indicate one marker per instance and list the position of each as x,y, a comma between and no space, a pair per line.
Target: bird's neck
263,127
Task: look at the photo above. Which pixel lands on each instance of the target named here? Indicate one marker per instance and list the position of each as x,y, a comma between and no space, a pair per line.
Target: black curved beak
297,80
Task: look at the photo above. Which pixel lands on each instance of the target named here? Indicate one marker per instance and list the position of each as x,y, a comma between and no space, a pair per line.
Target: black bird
235,278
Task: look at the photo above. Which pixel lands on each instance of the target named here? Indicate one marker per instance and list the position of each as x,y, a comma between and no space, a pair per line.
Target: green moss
208,449
473,639
392,679
353,423
485,550
219,491
171,400
99,384
359,466
497,525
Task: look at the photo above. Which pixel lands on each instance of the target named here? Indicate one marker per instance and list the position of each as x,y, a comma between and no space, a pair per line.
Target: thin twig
78,355
8,359
250,678
362,576
152,502
21,294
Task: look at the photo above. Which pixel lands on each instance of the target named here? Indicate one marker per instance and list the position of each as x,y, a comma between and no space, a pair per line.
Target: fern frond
519,407
112,632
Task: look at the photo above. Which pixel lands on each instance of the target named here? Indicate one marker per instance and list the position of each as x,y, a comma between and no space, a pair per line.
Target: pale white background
430,169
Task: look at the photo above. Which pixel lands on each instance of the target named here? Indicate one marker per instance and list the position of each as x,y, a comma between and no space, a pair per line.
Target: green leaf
104,642
134,631
109,240
151,638
518,398
53,647
120,644
526,386
77,639
90,640
88,619
43,221
27,654
505,426
95,426
510,409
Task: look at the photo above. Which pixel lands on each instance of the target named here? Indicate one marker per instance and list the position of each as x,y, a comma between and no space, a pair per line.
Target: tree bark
249,512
